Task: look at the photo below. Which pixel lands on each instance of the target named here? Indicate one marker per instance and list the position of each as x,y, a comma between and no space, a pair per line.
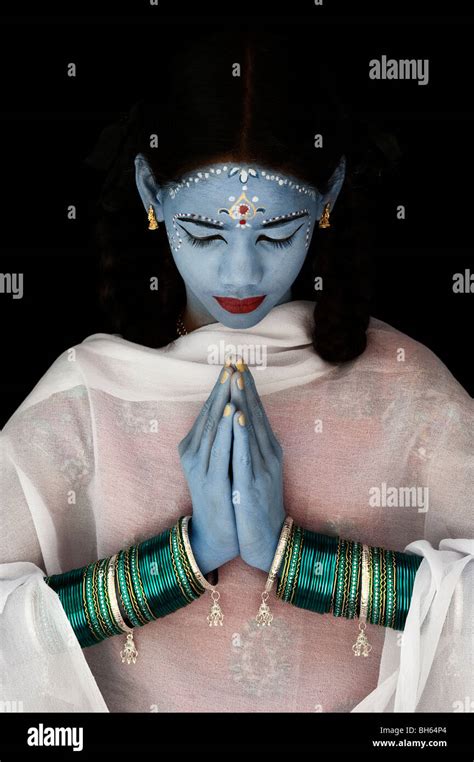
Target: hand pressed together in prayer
233,466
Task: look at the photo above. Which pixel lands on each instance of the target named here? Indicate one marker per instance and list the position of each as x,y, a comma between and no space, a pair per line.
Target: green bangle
151,559
303,588
173,593
90,602
375,613
337,585
338,598
123,592
315,589
389,606
347,577
295,556
183,581
142,603
354,582
99,599
88,605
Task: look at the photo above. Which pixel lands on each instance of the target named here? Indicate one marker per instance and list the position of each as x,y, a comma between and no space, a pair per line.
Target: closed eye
196,240
279,242
206,240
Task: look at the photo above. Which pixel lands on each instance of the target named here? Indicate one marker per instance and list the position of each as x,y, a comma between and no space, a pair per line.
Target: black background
50,122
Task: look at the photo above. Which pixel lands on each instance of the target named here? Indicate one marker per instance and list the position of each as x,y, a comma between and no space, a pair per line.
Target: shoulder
60,396
50,435
412,365
61,377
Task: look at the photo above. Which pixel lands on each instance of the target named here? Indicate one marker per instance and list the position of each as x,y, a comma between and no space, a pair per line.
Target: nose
240,266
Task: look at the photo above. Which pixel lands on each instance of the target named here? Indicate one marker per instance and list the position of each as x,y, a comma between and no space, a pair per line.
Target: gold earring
324,220
153,225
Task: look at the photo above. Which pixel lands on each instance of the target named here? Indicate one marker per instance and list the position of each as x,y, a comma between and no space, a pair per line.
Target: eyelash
202,241
278,243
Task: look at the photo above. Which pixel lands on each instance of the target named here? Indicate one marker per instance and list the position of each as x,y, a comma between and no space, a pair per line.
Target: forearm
138,585
331,575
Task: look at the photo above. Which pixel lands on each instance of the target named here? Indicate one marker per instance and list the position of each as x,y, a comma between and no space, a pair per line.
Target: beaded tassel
129,653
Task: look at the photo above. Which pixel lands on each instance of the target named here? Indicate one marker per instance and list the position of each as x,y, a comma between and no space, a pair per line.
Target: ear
335,184
150,191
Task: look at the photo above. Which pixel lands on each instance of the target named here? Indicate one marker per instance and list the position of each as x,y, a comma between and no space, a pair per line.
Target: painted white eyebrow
199,219
271,222
281,219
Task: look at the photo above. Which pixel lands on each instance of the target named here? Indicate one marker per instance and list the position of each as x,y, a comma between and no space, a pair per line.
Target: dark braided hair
268,115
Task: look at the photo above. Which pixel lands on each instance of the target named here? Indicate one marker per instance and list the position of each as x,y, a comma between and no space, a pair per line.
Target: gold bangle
362,647
370,602
112,594
198,589
264,615
365,583
176,573
279,553
95,596
286,563
187,544
215,616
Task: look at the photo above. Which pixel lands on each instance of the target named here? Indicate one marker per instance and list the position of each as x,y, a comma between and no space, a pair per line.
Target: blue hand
257,476
205,459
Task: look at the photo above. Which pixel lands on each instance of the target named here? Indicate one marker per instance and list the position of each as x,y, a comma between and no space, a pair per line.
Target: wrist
207,557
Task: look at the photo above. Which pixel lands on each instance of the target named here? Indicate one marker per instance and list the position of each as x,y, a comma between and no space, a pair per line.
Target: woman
333,417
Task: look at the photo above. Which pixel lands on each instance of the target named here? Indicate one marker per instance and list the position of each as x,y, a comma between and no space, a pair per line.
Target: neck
196,315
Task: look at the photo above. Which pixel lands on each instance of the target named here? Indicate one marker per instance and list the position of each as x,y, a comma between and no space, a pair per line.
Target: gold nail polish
228,361
240,382
241,366
227,410
241,419
224,377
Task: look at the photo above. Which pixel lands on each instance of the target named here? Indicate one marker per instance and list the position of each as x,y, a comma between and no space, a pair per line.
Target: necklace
180,329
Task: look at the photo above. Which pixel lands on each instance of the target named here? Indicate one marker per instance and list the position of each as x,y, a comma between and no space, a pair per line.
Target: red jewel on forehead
242,210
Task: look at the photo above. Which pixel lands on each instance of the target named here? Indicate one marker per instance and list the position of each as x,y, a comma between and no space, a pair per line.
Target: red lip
240,305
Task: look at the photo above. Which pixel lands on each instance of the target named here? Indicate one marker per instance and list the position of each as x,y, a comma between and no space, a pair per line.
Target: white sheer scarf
41,659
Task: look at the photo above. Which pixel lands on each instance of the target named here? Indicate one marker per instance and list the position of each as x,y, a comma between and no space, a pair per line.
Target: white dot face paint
239,236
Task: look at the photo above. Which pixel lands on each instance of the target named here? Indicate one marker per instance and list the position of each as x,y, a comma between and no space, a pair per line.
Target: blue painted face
239,236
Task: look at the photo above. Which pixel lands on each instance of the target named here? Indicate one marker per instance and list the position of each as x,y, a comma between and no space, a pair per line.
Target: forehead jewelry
242,210
244,174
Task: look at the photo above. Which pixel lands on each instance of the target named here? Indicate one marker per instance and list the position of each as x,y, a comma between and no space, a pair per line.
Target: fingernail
228,361
240,365
225,376
241,419
240,382
227,410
